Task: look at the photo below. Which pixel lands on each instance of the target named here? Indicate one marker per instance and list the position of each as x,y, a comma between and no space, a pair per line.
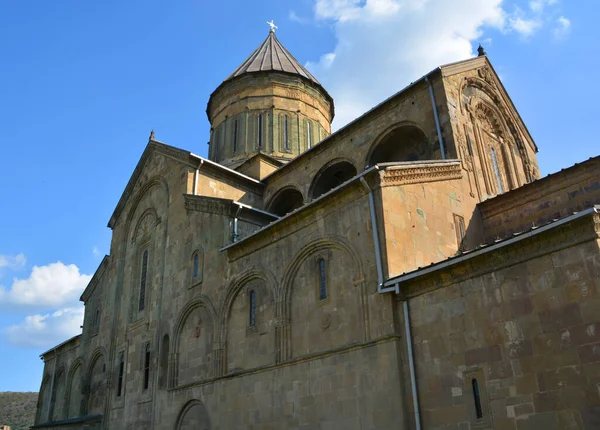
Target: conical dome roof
272,56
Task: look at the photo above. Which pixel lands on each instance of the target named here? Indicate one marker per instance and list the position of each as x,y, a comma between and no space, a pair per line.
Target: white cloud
54,285
46,331
383,45
525,27
293,16
96,251
539,5
12,262
562,28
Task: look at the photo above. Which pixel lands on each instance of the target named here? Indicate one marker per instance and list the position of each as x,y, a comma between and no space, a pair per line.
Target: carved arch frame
488,86
77,364
60,372
232,291
185,409
316,246
202,300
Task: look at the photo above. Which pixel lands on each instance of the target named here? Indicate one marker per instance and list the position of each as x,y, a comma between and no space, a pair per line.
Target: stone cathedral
409,271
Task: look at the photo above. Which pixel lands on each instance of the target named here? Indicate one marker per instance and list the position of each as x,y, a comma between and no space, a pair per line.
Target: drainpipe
235,224
375,233
436,117
411,366
196,174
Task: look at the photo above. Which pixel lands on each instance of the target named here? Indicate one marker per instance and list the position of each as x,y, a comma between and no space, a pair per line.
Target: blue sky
83,83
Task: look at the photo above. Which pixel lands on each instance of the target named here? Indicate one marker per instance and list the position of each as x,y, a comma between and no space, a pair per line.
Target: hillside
17,409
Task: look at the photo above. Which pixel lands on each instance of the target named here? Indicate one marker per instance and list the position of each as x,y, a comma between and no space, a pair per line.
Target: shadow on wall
405,143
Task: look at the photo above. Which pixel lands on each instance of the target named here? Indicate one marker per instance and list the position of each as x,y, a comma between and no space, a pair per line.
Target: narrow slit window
196,265
120,378
497,171
322,280
235,135
260,130
97,320
477,399
143,276
252,320
459,225
286,141
308,142
147,367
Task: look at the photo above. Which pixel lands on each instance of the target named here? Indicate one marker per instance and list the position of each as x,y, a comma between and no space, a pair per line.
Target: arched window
196,265
308,141
477,399
147,367
143,276
286,140
235,135
497,171
252,310
120,377
260,130
322,280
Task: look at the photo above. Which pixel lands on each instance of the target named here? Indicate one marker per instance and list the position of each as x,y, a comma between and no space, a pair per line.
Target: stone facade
275,295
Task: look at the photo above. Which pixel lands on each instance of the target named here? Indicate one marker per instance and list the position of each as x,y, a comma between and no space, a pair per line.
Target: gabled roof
184,156
272,56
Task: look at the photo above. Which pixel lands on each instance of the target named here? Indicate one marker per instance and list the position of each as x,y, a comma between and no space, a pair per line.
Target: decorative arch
346,299
44,398
95,385
59,395
98,353
193,416
332,174
244,343
204,346
325,242
158,181
496,141
200,301
403,141
146,222
286,200
238,283
486,84
74,385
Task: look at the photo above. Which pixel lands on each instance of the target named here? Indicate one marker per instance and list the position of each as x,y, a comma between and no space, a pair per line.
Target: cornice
420,173
95,280
210,205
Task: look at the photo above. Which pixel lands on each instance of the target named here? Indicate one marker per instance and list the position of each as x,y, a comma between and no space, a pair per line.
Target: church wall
353,389
59,364
522,321
558,195
421,224
355,143
211,185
